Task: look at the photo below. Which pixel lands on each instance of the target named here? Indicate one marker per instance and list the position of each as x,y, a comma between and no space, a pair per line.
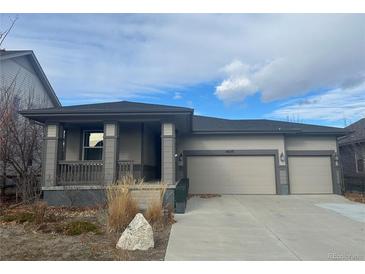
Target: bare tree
20,142
5,33
5,117
294,119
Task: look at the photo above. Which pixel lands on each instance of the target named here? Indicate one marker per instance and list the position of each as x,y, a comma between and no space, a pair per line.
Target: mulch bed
355,197
22,239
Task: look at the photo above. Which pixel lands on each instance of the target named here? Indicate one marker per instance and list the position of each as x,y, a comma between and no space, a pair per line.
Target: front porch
88,147
98,154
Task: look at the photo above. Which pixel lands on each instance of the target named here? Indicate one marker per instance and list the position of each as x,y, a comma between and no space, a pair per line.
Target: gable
19,71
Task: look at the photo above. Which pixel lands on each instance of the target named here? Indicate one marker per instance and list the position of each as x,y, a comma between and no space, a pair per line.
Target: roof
357,133
107,108
8,54
204,124
200,124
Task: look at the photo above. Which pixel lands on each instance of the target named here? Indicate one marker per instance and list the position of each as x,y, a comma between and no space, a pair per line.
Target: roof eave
43,117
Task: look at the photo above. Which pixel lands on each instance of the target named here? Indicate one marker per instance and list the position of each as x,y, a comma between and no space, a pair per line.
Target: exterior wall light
282,157
336,159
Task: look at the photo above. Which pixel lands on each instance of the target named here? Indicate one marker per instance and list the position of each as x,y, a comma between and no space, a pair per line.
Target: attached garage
310,174
239,174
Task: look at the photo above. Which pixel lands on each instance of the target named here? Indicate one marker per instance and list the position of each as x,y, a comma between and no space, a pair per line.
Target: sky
306,68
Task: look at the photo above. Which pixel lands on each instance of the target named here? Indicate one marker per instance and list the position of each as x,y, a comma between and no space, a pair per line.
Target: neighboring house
352,151
21,73
21,69
90,146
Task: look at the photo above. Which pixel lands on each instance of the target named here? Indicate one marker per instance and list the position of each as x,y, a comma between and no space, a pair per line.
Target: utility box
181,195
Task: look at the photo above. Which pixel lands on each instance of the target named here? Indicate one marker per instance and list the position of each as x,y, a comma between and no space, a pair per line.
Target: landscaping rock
137,236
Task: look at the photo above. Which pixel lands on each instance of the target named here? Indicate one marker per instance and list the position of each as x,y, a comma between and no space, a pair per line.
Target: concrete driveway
265,227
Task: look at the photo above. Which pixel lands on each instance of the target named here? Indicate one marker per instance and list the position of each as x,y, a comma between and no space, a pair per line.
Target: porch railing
80,172
124,167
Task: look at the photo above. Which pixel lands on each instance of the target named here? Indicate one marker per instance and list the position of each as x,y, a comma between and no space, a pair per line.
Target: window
93,145
360,162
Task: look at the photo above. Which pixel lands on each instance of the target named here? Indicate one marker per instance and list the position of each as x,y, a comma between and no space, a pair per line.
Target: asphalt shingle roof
111,107
211,124
200,124
357,133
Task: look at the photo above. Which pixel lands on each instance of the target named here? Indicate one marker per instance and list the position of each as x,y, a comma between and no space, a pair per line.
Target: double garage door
257,174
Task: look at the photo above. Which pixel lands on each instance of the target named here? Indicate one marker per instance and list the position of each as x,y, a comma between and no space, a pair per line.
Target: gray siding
28,84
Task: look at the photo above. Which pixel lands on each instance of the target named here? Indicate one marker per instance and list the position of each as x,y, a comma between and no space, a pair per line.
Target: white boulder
137,236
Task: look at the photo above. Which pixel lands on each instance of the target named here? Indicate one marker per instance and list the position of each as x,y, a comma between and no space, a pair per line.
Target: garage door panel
231,174
310,175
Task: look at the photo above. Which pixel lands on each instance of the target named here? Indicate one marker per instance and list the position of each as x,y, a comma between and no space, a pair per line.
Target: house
22,79
21,69
352,151
90,146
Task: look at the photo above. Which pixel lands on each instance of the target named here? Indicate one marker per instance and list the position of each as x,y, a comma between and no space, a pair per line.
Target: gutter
287,132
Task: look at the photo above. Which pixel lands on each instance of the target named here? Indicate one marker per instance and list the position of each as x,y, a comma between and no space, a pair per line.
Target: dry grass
122,208
39,210
170,218
129,180
155,211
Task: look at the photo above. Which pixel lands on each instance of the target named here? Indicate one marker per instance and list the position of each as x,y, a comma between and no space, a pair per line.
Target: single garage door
231,174
310,175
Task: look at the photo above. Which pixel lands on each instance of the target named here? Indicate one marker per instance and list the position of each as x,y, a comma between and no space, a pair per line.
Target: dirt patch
49,240
355,197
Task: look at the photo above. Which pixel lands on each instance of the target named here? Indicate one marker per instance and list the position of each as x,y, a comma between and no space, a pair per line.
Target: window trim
83,143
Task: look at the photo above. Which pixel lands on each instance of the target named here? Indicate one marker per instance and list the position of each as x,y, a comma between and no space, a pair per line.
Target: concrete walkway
269,227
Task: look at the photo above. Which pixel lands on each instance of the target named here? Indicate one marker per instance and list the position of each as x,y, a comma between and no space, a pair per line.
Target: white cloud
177,95
333,105
238,85
131,55
299,54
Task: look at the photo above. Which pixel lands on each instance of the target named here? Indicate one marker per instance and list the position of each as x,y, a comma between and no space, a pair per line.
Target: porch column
110,151
168,153
52,153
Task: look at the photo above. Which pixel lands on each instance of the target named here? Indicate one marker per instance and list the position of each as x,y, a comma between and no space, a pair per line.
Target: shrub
39,210
25,217
8,218
80,227
122,208
20,217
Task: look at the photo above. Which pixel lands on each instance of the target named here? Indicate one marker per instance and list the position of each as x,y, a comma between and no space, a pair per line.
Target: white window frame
83,143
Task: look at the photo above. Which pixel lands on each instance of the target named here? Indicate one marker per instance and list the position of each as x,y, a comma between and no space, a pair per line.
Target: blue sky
307,68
